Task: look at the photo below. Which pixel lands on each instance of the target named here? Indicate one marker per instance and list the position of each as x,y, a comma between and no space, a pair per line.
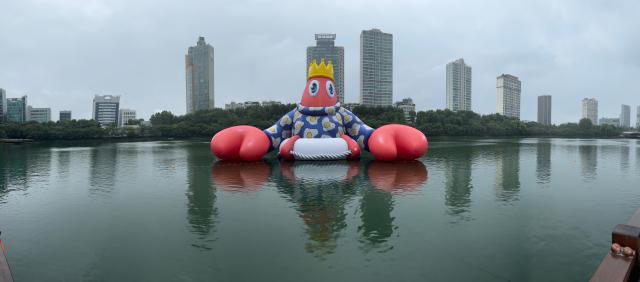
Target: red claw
353,147
285,150
240,143
397,142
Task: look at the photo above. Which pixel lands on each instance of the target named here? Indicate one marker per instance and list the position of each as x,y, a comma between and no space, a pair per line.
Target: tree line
203,124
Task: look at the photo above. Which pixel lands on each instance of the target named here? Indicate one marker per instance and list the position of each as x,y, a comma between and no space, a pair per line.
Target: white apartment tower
625,116
376,68
458,86
590,109
508,88
125,115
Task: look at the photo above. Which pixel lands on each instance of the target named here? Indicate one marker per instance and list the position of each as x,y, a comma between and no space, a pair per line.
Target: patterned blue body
319,122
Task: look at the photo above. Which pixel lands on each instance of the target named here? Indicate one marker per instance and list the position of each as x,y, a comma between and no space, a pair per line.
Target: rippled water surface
481,210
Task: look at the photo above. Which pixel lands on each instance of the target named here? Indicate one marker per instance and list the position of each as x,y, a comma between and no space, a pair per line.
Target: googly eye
314,87
331,90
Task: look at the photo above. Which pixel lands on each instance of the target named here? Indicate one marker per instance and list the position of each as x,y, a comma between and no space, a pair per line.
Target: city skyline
508,105
146,64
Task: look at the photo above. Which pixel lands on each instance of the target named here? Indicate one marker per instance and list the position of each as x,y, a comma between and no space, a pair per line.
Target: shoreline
207,139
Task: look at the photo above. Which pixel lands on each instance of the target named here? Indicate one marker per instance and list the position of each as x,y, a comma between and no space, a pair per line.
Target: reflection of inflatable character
321,191
240,177
394,177
319,129
397,177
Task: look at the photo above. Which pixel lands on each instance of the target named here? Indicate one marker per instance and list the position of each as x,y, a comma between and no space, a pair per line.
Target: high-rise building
199,77
41,115
376,68
3,104
610,121
625,116
17,109
544,109
125,116
64,116
325,49
105,109
508,88
638,117
407,106
458,86
590,109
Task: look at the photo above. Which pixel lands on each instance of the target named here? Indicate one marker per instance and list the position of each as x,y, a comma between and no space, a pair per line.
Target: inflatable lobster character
319,129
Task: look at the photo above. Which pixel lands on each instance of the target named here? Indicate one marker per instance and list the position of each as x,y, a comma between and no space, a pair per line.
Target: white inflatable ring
319,149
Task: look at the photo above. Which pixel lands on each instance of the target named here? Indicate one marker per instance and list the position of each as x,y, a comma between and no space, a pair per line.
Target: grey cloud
62,52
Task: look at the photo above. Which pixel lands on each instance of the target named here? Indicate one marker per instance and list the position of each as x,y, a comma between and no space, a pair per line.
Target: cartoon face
319,92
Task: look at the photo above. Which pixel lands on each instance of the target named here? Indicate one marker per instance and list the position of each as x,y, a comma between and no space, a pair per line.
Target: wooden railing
5,272
618,268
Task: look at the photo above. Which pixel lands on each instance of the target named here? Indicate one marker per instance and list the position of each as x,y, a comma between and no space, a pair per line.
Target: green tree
585,124
163,118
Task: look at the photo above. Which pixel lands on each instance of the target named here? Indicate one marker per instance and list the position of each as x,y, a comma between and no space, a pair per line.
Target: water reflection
508,171
397,177
543,162
165,159
458,186
588,161
22,164
376,205
624,156
102,175
638,155
4,173
322,191
202,212
64,159
240,177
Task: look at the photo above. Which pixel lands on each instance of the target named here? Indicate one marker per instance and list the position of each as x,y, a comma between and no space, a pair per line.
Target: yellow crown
320,70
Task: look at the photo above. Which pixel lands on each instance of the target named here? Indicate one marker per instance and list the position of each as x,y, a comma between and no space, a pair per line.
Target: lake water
481,210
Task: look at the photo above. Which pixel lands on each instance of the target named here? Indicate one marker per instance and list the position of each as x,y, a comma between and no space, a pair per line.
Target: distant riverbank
204,124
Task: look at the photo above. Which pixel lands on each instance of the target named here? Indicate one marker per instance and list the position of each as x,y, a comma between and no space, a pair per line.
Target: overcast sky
62,52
